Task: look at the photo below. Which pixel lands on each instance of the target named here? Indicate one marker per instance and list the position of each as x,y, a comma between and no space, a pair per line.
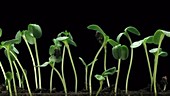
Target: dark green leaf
30,38
57,43
99,77
136,44
35,30
116,52
9,75
109,71
119,36
112,42
96,28
149,39
0,32
71,42
163,54
157,36
124,52
132,30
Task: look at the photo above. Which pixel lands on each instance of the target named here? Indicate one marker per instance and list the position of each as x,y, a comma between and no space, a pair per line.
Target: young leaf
163,54
109,71
9,75
124,52
99,77
70,41
18,36
136,44
84,63
167,33
154,50
29,37
0,32
112,42
44,64
157,36
35,30
62,38
149,39
119,36
132,30
116,51
96,28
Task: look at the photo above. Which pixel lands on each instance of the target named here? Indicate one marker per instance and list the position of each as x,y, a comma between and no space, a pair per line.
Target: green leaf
62,38
124,52
99,77
112,42
116,52
52,49
18,36
154,50
109,71
149,39
157,36
136,44
9,42
132,30
8,75
163,54
119,36
29,37
96,28
167,33
83,62
35,30
0,32
44,64
71,42
57,43
11,56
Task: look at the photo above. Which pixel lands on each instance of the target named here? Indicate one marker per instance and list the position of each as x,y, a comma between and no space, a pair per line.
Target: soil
105,92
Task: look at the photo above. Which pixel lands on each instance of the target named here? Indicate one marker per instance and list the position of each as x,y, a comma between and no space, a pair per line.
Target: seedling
105,40
143,42
133,30
119,52
9,77
102,77
158,38
164,82
34,32
86,71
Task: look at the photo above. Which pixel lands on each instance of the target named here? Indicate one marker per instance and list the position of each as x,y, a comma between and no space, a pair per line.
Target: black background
113,18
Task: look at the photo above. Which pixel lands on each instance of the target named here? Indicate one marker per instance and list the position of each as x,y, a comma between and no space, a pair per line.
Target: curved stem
9,86
105,56
38,63
51,79
3,71
149,66
13,75
91,70
33,62
18,74
100,88
65,89
117,78
75,74
23,71
62,66
156,63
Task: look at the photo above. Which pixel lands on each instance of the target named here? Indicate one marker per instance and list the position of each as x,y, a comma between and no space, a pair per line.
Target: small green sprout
119,52
143,42
86,71
102,77
9,77
133,30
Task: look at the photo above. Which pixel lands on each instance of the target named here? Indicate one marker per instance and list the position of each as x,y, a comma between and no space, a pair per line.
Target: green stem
100,88
62,66
18,74
105,56
51,79
9,86
91,70
64,86
23,71
130,65
156,63
3,71
38,63
13,75
75,74
117,78
86,72
149,65
33,62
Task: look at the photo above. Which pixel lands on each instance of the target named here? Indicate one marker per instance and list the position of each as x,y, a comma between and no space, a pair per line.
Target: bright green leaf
132,30
157,36
35,30
96,28
167,33
99,77
52,49
62,38
124,52
44,64
154,50
112,42
119,36
149,39
136,44
109,71
18,36
29,37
